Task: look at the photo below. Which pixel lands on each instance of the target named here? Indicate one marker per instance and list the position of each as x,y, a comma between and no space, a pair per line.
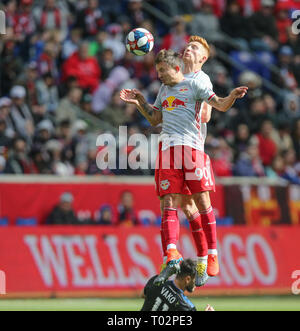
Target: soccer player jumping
178,107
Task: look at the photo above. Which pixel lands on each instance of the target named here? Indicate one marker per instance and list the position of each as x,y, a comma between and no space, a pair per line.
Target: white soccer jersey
201,75
181,111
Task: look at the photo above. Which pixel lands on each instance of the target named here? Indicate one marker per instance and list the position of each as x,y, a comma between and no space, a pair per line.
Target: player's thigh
169,179
198,172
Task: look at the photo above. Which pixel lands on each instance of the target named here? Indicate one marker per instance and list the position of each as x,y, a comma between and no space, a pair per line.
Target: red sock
170,226
210,227
198,234
163,241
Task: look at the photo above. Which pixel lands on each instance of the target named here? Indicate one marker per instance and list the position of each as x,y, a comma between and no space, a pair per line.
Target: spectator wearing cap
264,32
63,213
84,67
90,19
44,132
20,114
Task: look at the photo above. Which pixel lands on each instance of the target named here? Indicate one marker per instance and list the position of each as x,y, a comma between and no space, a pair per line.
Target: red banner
98,261
27,200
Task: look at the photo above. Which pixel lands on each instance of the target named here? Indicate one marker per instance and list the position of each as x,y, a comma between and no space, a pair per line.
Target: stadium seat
26,221
224,221
3,221
256,63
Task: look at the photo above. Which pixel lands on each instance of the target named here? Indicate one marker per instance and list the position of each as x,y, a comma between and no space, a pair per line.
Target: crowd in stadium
63,63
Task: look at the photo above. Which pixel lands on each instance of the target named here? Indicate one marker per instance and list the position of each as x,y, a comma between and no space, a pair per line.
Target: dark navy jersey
165,297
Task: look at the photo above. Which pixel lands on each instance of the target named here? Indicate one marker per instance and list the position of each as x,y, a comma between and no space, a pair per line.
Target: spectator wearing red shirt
266,145
84,67
283,21
221,157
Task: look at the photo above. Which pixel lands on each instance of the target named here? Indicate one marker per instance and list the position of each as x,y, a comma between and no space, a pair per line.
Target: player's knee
202,200
171,201
189,208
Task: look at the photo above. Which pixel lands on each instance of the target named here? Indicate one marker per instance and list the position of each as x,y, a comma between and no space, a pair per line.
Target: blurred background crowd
63,63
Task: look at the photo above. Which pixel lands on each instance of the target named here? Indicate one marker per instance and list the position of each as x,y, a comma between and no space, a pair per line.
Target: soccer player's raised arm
224,104
136,97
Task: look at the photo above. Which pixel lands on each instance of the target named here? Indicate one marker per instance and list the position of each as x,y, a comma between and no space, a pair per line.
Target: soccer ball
139,41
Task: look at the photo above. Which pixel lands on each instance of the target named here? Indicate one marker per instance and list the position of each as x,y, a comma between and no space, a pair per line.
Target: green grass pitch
278,303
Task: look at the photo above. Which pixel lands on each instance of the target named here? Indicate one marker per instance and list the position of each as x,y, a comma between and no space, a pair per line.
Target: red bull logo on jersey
165,184
172,102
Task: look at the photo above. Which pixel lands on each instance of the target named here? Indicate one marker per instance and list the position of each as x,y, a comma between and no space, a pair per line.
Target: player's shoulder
150,282
201,75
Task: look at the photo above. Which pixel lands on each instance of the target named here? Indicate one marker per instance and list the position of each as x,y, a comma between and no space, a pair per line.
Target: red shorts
183,170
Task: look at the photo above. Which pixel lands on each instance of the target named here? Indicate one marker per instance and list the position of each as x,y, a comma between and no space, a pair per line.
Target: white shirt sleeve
202,89
157,104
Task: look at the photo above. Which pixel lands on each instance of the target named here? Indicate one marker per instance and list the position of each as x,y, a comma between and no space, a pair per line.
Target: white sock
212,251
203,259
171,246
